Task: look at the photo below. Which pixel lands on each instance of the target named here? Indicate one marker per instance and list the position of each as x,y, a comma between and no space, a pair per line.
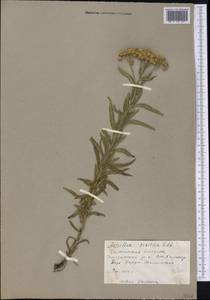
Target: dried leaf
115,159
137,122
126,74
118,111
101,148
83,241
96,213
76,196
120,165
126,102
115,169
121,173
73,215
150,108
105,142
143,67
149,77
124,151
72,224
107,136
126,174
113,185
60,266
111,114
88,182
96,148
152,77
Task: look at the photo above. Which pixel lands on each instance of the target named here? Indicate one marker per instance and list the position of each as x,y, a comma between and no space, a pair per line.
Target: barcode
176,15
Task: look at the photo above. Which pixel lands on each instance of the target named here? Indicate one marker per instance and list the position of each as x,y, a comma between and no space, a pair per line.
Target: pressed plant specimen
142,64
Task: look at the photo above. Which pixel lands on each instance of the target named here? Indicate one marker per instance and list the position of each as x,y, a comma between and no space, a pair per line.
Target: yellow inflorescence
145,55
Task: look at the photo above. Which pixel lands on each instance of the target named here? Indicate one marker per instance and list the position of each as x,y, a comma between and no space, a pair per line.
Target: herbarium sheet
98,160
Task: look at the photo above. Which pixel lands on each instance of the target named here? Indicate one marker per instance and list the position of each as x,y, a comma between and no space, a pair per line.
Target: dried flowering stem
107,150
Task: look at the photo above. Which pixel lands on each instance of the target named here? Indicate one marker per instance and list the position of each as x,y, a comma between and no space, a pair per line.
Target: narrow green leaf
126,174
76,196
73,226
88,182
111,114
113,185
126,102
118,111
124,151
149,77
83,241
116,170
120,165
96,148
105,142
101,148
126,74
113,169
143,67
150,108
96,213
137,122
152,77
60,266
73,215
115,159
107,136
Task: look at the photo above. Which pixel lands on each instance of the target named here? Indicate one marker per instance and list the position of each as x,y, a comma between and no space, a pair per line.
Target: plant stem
98,184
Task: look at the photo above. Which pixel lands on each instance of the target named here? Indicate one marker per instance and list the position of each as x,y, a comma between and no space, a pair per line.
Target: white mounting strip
67,257
116,131
202,150
92,195
138,86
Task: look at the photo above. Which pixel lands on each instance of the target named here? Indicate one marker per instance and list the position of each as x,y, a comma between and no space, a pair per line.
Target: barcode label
176,15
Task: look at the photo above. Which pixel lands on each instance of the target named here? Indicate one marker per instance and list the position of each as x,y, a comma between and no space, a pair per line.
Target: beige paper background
58,67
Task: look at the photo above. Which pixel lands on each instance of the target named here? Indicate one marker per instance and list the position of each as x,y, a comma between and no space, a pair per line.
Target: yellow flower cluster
145,55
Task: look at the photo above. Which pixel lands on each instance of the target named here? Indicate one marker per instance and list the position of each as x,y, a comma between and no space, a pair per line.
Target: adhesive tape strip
67,257
138,86
92,195
116,131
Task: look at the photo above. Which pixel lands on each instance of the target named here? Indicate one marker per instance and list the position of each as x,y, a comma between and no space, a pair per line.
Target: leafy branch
108,153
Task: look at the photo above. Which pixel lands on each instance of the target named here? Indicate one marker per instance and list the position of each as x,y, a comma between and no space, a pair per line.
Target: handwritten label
147,262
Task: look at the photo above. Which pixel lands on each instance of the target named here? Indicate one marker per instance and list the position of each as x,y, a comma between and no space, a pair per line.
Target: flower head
144,55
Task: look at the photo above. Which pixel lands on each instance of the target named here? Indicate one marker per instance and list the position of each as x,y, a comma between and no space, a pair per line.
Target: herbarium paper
60,72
